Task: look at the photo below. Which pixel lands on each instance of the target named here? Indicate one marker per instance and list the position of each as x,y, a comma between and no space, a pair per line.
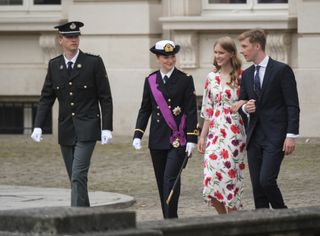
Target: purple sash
178,137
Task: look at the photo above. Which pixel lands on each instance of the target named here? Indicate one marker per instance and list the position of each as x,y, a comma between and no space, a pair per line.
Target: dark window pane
11,119
10,2
46,2
272,1
227,1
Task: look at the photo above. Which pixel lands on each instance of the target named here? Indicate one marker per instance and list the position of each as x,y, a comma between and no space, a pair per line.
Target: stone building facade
122,31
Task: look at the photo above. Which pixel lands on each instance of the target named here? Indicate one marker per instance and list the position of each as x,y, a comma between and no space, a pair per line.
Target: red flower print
229,197
217,113
241,122
213,157
226,110
235,129
211,124
206,84
242,166
219,175
215,140
235,153
218,79
238,92
223,132
218,195
209,112
235,142
232,173
228,119
243,145
228,92
227,164
204,164
207,180
236,191
230,187
224,153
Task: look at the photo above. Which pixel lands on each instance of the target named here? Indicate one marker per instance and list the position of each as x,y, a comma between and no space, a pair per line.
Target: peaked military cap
165,47
71,28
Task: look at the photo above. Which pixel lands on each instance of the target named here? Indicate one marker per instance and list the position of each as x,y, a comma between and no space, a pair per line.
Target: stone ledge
298,221
65,220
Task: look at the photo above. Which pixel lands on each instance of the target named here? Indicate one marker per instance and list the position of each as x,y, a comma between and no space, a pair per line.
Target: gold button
72,113
157,107
169,100
72,104
98,115
158,114
85,86
158,121
70,83
58,88
71,93
169,107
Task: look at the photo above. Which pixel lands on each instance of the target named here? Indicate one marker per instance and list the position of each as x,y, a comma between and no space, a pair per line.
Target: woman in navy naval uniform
80,83
169,98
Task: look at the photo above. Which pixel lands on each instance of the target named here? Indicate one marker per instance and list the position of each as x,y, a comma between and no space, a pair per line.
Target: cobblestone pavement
119,168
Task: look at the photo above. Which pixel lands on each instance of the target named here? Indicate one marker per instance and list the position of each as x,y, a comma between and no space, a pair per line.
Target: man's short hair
255,36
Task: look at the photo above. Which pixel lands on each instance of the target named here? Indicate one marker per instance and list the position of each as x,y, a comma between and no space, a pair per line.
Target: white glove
106,136
136,143
189,148
37,135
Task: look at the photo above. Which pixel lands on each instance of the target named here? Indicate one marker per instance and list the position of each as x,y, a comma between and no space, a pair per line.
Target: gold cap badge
73,26
168,48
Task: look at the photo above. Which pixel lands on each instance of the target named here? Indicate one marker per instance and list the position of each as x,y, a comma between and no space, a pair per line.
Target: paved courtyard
118,168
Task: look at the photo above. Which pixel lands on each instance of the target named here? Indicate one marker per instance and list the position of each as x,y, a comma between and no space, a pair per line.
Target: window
18,118
244,5
35,2
30,5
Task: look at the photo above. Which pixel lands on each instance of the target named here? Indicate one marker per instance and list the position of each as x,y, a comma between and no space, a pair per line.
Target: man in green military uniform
79,81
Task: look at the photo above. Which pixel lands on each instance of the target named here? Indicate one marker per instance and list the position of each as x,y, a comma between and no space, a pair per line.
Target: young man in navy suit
272,108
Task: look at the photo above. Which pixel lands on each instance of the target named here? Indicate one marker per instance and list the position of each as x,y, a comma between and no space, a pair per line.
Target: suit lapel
267,77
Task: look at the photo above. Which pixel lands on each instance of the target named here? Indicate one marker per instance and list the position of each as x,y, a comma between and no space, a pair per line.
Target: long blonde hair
229,45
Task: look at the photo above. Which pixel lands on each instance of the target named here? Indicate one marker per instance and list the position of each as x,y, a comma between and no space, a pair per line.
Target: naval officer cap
71,28
165,47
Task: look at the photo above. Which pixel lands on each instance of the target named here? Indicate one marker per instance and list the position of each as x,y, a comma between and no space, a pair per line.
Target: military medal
176,111
176,143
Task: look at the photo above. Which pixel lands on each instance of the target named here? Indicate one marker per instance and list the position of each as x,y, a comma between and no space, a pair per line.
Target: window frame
250,5
28,5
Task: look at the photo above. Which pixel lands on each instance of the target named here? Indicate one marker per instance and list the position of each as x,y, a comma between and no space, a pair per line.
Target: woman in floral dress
222,138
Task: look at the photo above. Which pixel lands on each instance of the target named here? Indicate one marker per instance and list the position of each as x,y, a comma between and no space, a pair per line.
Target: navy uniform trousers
77,161
166,165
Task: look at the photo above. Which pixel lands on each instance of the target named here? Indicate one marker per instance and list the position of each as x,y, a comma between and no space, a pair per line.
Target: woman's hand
237,105
201,145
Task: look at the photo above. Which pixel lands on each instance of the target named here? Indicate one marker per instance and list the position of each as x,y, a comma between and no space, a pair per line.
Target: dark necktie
165,78
69,67
257,87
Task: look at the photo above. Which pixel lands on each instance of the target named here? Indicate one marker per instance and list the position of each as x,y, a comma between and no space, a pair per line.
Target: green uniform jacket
79,96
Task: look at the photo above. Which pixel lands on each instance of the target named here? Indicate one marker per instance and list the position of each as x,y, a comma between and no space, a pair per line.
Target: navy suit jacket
178,91
277,108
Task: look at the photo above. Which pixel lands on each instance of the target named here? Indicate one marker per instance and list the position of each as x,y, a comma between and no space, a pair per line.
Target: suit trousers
166,165
264,161
77,161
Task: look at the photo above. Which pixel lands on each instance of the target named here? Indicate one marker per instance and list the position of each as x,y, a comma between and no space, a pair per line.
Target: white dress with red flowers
225,144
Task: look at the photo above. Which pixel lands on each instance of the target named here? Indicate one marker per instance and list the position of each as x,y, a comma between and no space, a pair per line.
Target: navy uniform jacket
277,109
178,91
79,96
